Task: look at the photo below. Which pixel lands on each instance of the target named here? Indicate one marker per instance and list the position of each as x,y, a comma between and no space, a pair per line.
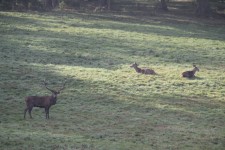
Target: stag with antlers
42,101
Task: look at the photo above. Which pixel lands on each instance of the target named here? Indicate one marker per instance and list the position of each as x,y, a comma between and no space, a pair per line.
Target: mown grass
106,104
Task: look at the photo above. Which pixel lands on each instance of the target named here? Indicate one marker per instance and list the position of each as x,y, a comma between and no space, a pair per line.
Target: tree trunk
55,3
101,3
14,4
25,3
104,4
164,5
49,4
109,4
203,8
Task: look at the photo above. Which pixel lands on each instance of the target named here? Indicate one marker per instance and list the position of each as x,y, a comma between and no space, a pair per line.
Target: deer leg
47,113
29,110
25,111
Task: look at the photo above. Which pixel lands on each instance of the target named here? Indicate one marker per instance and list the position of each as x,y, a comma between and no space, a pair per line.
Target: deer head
54,92
134,65
195,68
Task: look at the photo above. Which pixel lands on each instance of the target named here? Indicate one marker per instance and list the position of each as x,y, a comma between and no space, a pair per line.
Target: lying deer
142,70
190,74
42,101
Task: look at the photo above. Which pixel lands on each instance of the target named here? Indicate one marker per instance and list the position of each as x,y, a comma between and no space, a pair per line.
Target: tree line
203,7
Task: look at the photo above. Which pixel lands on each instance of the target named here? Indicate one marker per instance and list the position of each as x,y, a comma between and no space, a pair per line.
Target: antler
63,86
45,84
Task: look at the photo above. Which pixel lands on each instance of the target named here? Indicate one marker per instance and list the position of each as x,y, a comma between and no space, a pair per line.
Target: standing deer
42,101
142,70
190,74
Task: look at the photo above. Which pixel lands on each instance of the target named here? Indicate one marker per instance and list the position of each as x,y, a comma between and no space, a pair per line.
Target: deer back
188,74
149,71
142,70
40,101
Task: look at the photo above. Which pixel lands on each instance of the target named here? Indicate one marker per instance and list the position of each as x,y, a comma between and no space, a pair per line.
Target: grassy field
106,105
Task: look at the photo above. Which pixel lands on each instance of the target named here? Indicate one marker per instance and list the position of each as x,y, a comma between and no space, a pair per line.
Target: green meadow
106,105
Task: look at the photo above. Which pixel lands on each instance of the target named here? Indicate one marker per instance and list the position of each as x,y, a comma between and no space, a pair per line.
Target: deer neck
194,70
137,69
54,95
53,99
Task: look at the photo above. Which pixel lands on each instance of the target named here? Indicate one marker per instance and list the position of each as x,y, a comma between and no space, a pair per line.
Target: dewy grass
106,104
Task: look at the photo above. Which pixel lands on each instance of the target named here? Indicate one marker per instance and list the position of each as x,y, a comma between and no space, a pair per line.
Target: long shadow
90,92
101,110
21,20
62,57
91,54
66,49
139,24
178,27
195,78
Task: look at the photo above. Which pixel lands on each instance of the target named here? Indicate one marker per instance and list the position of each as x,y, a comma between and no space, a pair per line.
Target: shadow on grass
79,50
104,111
177,26
164,24
100,52
195,78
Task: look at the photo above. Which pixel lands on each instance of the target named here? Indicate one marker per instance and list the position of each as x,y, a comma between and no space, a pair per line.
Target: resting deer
190,74
42,101
142,70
